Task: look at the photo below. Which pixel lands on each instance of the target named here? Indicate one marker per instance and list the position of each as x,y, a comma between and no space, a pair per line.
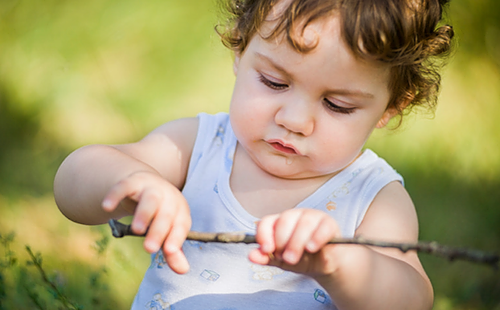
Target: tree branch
120,230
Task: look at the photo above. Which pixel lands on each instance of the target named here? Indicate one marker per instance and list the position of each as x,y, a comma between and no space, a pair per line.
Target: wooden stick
120,230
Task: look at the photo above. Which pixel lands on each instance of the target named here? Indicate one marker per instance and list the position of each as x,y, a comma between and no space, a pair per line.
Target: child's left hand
295,240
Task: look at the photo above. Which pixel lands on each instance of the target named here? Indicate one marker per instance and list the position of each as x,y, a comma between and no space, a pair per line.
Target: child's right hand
296,240
162,208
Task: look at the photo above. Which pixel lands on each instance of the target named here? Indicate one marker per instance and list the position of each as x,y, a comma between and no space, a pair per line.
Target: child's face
306,115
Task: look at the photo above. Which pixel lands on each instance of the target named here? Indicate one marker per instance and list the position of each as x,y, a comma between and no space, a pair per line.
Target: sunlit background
109,71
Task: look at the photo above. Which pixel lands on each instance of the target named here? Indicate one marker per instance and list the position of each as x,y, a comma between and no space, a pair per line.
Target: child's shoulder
180,133
167,148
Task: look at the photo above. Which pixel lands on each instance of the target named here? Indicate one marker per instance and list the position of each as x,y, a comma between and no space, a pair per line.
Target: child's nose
296,117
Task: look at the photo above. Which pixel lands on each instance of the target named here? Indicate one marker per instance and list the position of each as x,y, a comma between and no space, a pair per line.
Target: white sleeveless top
220,275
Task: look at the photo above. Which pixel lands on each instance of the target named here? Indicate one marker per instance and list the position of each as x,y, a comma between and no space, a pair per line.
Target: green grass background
108,71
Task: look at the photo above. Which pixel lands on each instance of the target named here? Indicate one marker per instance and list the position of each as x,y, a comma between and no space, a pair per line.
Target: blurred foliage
29,284
109,71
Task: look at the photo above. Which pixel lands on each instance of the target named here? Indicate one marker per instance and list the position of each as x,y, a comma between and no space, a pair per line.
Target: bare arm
86,176
356,277
378,278
99,182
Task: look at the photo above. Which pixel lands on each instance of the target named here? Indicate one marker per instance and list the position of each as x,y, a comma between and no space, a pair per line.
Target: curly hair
405,35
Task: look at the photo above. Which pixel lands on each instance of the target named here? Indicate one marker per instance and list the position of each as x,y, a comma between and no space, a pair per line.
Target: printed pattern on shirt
265,273
157,303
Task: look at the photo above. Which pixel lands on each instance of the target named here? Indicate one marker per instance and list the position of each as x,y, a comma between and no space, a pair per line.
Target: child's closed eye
337,108
272,84
328,103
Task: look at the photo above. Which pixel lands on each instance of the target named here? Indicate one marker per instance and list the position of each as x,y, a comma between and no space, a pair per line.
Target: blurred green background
108,71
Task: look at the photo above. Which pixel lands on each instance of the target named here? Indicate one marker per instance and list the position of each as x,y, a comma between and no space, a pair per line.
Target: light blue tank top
221,276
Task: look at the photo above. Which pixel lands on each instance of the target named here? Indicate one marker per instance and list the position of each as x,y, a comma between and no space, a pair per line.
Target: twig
37,262
120,230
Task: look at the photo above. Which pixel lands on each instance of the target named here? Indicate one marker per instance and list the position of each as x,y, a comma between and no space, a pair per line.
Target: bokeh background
109,71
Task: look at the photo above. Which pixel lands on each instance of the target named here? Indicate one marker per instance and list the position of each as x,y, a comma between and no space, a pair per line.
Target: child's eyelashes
338,109
271,84
328,103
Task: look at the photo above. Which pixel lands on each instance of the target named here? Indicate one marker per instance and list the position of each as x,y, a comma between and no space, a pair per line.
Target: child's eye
338,109
271,84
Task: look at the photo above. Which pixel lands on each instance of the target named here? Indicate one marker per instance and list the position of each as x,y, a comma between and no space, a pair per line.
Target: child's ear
386,117
393,111
236,63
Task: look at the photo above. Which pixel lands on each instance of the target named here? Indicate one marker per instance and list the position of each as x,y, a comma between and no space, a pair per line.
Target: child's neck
261,193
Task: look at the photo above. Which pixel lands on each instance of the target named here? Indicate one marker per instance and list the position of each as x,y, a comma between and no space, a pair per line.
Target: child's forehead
330,50
326,30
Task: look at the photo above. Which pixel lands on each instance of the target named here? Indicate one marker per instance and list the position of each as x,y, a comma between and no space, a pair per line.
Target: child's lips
283,147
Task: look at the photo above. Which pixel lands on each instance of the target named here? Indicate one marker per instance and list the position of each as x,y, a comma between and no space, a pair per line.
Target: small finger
157,232
116,194
265,233
283,230
300,236
172,248
149,204
177,261
326,230
178,233
258,257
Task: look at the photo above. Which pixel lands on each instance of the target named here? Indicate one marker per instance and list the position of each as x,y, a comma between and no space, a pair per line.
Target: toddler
314,78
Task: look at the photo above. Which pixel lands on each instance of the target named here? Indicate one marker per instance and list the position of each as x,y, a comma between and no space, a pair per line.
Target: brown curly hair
405,35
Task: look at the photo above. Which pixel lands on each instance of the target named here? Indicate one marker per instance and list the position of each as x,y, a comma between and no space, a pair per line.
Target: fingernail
290,257
151,246
138,227
107,204
311,246
266,248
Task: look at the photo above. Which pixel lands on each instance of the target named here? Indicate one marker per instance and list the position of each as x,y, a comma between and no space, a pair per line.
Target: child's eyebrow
338,91
273,63
353,93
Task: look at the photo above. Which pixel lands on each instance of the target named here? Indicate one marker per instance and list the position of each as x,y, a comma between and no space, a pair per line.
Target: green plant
33,285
